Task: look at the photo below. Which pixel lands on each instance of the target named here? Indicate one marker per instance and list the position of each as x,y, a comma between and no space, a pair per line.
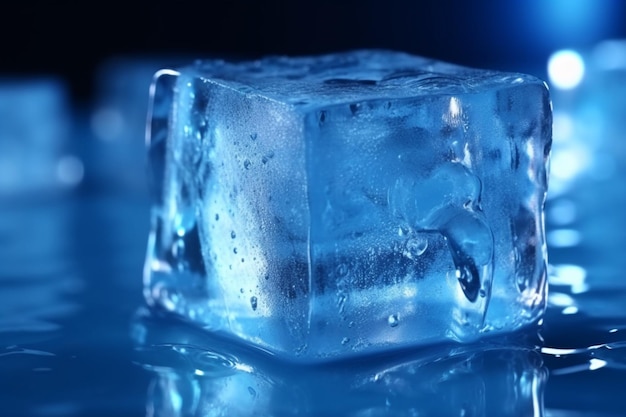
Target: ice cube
328,206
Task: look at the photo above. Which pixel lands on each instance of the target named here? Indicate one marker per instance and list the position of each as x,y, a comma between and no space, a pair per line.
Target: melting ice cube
328,206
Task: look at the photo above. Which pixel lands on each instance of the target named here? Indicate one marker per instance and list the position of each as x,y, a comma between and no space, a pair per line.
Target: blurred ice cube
34,134
585,208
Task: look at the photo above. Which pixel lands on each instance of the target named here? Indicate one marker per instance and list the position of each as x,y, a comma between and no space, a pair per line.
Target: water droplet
217,217
482,293
267,157
253,136
351,325
247,163
341,302
345,340
393,320
415,247
253,303
241,290
233,234
235,251
403,231
252,391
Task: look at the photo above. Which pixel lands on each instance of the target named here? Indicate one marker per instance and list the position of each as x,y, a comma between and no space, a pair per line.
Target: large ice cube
328,206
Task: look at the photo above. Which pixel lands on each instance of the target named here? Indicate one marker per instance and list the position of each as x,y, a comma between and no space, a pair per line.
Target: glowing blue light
570,310
566,69
559,22
560,299
571,275
610,55
563,238
595,363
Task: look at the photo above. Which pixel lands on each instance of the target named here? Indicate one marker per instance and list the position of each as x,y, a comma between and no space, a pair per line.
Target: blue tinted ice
322,207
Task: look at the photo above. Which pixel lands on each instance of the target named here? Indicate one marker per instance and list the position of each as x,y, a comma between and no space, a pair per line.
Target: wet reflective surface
77,340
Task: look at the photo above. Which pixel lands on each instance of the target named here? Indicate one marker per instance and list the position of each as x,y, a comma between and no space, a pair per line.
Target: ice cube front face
323,207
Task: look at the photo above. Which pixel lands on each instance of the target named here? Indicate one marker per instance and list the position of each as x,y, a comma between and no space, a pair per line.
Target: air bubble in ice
415,247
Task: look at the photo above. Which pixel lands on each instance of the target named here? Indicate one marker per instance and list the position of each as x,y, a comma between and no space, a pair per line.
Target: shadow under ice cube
323,207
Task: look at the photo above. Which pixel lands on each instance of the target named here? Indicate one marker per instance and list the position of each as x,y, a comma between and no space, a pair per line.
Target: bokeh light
566,69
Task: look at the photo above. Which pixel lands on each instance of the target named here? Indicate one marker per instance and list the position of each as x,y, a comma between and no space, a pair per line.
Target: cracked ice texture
328,206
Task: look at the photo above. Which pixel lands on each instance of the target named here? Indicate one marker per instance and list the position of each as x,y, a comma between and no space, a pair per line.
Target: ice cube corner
327,206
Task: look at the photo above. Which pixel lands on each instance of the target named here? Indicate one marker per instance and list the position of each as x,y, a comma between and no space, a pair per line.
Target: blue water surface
76,338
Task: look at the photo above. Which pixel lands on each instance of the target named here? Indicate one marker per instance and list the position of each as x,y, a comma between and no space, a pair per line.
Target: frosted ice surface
323,207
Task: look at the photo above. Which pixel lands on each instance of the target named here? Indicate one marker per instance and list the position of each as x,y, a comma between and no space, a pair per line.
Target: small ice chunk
329,206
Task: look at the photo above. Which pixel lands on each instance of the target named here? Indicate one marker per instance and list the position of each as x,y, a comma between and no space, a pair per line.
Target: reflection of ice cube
220,380
350,203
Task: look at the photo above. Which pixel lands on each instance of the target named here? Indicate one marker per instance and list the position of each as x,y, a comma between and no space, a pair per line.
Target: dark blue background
71,39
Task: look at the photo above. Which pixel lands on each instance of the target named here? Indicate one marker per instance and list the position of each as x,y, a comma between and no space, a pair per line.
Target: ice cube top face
324,207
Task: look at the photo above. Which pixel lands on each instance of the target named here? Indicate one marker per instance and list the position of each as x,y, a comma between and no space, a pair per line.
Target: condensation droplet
233,234
415,247
267,157
252,391
235,251
341,302
253,302
393,320
253,136
217,217
403,231
345,340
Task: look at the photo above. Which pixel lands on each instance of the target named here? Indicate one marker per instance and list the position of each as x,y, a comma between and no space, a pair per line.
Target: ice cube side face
331,206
